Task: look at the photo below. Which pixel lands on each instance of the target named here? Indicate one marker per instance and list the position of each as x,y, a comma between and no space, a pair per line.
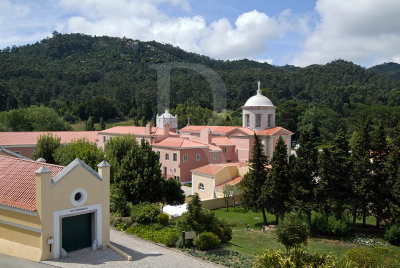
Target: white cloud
269,61
143,20
364,31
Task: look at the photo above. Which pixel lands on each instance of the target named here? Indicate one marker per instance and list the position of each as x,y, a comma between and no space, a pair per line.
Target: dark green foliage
329,225
88,152
361,177
392,234
197,114
34,118
223,230
293,231
372,257
102,124
179,242
304,174
171,239
150,232
275,190
145,212
82,76
295,258
163,219
89,126
206,241
173,193
380,184
45,148
139,176
334,187
392,168
118,202
254,180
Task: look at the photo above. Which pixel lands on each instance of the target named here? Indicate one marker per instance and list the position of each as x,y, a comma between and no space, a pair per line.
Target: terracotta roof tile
177,142
212,169
272,131
233,181
18,181
132,130
30,138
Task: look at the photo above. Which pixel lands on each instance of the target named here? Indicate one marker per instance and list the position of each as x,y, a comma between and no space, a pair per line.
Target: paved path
144,254
12,262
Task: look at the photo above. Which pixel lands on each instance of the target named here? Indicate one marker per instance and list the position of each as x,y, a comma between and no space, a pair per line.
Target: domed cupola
167,118
259,112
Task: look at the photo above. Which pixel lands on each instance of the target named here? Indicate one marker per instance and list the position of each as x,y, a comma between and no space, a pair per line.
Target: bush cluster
163,219
372,257
329,225
294,258
206,241
392,234
293,231
145,212
150,232
170,239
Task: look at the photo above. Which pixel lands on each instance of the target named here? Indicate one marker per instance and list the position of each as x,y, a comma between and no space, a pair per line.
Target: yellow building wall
226,174
208,182
20,243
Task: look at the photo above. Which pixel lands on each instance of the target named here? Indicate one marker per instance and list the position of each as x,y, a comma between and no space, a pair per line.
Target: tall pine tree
276,191
254,180
304,173
334,187
380,183
361,177
393,166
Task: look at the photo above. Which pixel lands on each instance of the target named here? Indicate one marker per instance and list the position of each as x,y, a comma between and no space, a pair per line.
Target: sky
294,32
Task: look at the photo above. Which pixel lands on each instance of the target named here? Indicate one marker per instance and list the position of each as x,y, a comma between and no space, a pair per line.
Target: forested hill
82,76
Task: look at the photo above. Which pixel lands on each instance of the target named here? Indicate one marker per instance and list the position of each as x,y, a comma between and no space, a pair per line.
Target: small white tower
167,118
258,112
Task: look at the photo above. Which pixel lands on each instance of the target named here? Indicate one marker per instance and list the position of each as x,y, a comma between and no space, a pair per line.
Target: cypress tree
361,177
304,173
334,187
393,168
275,191
102,124
380,184
255,179
89,124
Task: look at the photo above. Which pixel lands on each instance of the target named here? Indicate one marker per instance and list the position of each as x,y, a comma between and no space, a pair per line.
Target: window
269,120
165,171
185,158
247,119
174,170
197,157
177,178
175,157
258,120
224,150
201,186
215,156
158,152
166,156
104,139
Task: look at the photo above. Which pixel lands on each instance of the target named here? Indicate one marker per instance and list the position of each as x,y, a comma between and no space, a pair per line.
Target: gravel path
144,254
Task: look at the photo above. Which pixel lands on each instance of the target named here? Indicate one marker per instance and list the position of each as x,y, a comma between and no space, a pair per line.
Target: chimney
205,136
104,172
166,130
42,160
148,129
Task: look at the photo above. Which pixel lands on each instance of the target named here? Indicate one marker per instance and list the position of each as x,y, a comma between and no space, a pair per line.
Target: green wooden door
77,232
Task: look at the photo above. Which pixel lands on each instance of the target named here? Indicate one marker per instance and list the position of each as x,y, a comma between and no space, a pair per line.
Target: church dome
258,100
167,115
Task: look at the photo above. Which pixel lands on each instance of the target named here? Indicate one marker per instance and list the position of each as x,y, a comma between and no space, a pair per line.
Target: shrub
372,257
163,219
329,225
171,239
145,212
206,241
150,232
295,258
293,231
179,243
223,231
392,234
120,226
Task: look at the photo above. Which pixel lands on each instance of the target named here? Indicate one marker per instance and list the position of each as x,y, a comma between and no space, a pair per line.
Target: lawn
254,241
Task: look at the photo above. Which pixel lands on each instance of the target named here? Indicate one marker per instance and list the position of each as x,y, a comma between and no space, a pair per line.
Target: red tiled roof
218,141
233,181
272,131
212,169
18,181
177,142
214,129
138,131
30,138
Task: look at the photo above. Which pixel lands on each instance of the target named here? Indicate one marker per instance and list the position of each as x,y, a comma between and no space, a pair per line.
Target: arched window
201,186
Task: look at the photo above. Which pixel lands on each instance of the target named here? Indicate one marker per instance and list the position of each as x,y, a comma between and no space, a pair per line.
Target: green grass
254,241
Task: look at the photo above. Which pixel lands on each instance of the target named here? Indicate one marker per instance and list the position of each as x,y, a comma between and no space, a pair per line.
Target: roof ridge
31,161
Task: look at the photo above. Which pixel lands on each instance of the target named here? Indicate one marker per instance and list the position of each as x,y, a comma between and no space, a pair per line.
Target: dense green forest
82,76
